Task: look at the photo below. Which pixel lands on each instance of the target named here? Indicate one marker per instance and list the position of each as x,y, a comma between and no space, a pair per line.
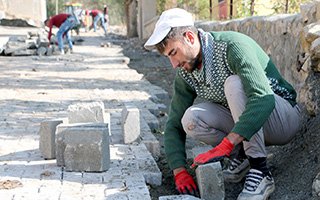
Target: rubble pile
34,43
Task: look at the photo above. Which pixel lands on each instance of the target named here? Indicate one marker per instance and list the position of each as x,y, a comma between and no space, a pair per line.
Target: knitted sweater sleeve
249,62
174,136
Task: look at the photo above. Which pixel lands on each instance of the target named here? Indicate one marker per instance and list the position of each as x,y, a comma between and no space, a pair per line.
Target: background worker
97,16
65,22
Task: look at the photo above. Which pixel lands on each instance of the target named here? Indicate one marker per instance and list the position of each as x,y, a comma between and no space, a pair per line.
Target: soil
294,166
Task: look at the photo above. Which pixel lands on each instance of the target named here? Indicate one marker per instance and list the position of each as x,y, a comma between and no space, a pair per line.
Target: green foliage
116,11
200,8
293,6
116,8
243,9
204,9
52,5
161,6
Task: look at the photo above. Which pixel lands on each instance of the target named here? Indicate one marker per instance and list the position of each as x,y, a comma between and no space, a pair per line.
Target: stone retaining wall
287,39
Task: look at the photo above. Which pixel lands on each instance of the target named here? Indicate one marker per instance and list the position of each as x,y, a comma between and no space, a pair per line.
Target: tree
288,6
54,7
252,7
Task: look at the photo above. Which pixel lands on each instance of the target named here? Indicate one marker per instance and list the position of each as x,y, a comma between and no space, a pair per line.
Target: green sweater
260,79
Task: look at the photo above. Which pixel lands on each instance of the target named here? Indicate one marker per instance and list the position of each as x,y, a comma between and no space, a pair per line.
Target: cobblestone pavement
36,88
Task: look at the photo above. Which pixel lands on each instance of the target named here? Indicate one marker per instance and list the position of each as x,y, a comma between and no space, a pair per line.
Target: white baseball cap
174,17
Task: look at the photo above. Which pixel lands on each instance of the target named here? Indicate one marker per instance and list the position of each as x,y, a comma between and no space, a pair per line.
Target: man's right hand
185,183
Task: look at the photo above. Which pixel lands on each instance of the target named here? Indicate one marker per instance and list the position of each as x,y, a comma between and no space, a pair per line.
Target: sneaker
257,186
236,170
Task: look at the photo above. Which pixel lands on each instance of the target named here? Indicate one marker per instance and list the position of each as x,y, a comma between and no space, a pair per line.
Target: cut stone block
86,112
178,197
151,119
41,51
42,41
14,46
3,43
24,52
130,124
210,181
149,139
83,147
47,134
134,159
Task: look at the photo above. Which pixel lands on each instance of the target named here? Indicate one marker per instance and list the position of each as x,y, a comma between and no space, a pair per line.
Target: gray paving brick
130,116
83,147
86,112
210,181
178,197
47,139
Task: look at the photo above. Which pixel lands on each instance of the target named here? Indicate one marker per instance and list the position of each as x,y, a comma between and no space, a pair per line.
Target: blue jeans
64,29
103,23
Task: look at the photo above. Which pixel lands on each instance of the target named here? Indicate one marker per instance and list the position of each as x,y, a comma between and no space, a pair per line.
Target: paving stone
149,139
42,40
84,78
83,147
3,42
41,51
24,52
15,46
86,112
150,118
130,116
210,181
47,139
178,197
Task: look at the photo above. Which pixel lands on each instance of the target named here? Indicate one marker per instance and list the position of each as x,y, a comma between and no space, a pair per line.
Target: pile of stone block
34,43
81,142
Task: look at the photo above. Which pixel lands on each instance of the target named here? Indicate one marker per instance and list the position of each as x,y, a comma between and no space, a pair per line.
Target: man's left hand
215,154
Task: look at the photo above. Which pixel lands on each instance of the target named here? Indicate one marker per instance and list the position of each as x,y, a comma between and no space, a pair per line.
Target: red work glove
215,154
185,184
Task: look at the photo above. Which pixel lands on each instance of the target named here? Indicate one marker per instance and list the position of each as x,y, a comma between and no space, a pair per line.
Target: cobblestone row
35,88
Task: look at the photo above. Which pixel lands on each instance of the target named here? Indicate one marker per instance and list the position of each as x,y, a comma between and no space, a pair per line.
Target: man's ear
189,37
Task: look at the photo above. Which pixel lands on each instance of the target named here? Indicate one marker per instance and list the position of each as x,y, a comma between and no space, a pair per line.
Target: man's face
182,53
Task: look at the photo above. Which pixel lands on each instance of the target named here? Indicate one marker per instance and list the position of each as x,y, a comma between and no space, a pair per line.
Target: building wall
34,11
146,17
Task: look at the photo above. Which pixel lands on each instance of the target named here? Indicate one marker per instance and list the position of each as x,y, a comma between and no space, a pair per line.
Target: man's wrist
178,170
234,138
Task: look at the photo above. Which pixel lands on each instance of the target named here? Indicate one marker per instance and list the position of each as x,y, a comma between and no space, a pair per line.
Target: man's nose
174,62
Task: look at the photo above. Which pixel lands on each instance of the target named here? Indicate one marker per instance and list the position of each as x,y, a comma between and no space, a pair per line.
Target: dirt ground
294,166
